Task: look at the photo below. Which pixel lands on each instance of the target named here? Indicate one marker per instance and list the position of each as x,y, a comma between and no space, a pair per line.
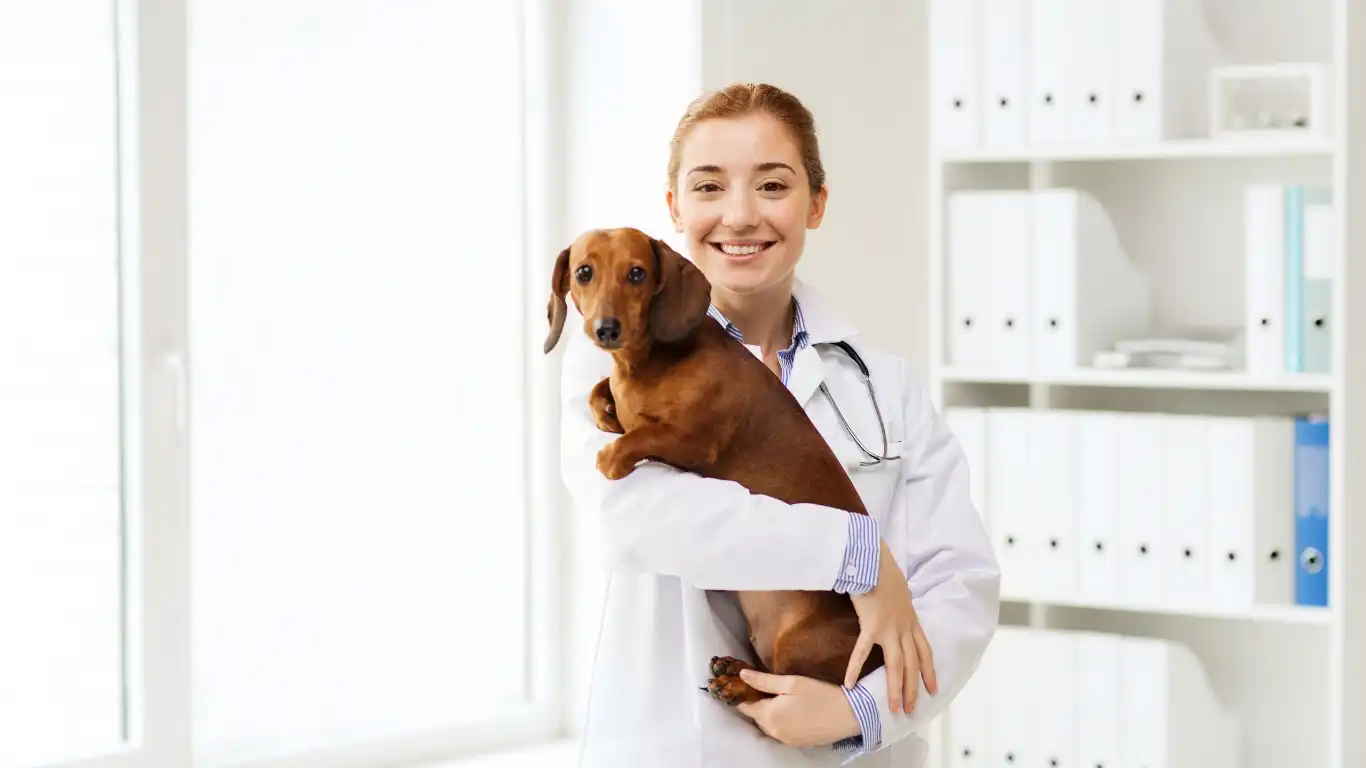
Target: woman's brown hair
741,99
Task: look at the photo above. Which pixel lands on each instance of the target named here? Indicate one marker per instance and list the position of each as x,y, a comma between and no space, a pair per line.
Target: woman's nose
740,211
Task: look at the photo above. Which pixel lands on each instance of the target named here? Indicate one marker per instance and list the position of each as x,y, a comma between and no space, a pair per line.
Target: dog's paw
727,665
731,690
725,684
610,463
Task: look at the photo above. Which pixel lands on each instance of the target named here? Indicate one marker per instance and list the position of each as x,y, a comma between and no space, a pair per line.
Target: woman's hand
804,713
887,618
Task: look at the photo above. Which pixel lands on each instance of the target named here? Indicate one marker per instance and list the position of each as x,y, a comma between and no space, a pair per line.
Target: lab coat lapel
808,371
822,327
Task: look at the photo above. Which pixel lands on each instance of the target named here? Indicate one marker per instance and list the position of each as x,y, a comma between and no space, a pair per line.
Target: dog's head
632,290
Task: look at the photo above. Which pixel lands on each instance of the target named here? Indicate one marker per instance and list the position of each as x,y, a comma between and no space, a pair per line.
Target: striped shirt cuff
858,572
865,710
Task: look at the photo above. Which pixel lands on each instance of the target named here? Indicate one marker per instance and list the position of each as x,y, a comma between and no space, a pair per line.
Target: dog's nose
607,329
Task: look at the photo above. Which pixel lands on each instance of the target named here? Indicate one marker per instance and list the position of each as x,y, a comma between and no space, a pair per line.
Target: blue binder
1311,511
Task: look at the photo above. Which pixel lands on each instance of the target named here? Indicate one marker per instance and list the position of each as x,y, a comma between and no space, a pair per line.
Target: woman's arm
952,572
713,534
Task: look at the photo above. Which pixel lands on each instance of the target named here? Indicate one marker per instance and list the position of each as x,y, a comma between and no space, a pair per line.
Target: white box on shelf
1164,53
1171,717
1270,101
1015,530
956,73
1087,293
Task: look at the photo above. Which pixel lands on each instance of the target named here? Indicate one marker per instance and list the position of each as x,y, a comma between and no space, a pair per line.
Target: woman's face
744,202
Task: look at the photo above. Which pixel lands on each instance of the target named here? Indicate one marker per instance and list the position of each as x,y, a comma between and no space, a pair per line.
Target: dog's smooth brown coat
684,392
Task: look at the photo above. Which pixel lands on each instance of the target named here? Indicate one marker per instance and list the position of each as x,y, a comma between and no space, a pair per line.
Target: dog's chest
651,399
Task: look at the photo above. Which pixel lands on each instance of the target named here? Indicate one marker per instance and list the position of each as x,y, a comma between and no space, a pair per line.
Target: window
311,215
360,460
61,440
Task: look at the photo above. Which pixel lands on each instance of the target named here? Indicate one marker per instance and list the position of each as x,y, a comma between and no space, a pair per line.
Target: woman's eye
773,186
708,187
635,274
584,273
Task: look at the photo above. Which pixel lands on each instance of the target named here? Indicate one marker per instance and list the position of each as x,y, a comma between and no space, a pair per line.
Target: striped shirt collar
800,335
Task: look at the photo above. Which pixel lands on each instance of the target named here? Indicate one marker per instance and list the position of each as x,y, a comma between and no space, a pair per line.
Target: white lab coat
676,541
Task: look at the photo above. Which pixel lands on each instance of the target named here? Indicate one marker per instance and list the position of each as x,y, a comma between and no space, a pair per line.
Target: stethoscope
873,458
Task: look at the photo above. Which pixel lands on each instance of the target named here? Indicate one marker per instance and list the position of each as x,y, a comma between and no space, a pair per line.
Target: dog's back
776,449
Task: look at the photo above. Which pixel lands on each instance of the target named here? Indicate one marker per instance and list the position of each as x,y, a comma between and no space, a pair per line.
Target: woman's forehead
739,144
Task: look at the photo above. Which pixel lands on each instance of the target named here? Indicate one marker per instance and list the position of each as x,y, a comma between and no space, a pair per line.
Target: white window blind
61,592
359,460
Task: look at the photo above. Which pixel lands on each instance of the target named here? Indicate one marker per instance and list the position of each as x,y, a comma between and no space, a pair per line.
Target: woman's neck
764,319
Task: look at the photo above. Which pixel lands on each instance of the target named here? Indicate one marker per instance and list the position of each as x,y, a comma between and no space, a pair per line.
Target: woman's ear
682,295
555,308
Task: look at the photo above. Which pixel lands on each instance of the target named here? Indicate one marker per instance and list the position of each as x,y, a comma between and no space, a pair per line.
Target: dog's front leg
605,407
687,450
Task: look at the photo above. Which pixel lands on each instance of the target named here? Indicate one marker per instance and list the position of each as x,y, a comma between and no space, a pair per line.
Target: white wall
649,60
860,68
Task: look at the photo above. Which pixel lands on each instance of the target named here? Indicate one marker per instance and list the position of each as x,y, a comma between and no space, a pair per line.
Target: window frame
153,103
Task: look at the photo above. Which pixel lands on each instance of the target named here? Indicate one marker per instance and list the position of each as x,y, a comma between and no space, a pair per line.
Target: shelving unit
1294,676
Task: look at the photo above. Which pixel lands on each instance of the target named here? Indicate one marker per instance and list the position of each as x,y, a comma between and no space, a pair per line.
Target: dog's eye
635,274
584,273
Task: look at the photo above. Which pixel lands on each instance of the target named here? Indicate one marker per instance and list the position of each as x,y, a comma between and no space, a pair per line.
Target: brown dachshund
684,392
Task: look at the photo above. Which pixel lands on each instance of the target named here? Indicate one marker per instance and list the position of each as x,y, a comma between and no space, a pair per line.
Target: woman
745,182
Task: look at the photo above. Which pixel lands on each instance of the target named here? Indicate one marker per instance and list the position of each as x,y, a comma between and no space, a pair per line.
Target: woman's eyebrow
770,166
773,167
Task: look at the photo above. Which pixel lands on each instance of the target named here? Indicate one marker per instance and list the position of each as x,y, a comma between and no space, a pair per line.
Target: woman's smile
738,252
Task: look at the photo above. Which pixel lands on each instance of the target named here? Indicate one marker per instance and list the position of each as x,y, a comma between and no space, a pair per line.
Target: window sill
556,754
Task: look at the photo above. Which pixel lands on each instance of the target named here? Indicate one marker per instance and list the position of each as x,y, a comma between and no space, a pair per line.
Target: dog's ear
682,295
555,309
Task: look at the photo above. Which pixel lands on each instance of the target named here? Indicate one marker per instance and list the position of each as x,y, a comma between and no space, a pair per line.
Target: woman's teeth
742,250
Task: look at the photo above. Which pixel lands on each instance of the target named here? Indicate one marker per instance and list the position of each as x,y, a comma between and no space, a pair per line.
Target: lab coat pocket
876,482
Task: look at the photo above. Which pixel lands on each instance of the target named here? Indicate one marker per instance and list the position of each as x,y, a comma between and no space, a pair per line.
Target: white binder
1010,487
969,718
1055,512
956,73
1264,278
1008,309
967,256
1087,293
1099,719
1090,55
1004,61
1184,510
1096,439
1140,508
1049,70
1170,715
988,274
1055,675
1164,50
1014,714
969,425
1250,498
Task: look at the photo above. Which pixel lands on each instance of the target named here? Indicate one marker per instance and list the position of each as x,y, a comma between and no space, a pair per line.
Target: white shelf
1194,149
1149,379
1274,614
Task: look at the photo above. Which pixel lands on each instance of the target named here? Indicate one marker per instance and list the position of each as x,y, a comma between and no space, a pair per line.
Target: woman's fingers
862,648
922,645
896,672
914,667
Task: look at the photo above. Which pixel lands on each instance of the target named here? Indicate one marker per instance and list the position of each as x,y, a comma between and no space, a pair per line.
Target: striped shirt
859,570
